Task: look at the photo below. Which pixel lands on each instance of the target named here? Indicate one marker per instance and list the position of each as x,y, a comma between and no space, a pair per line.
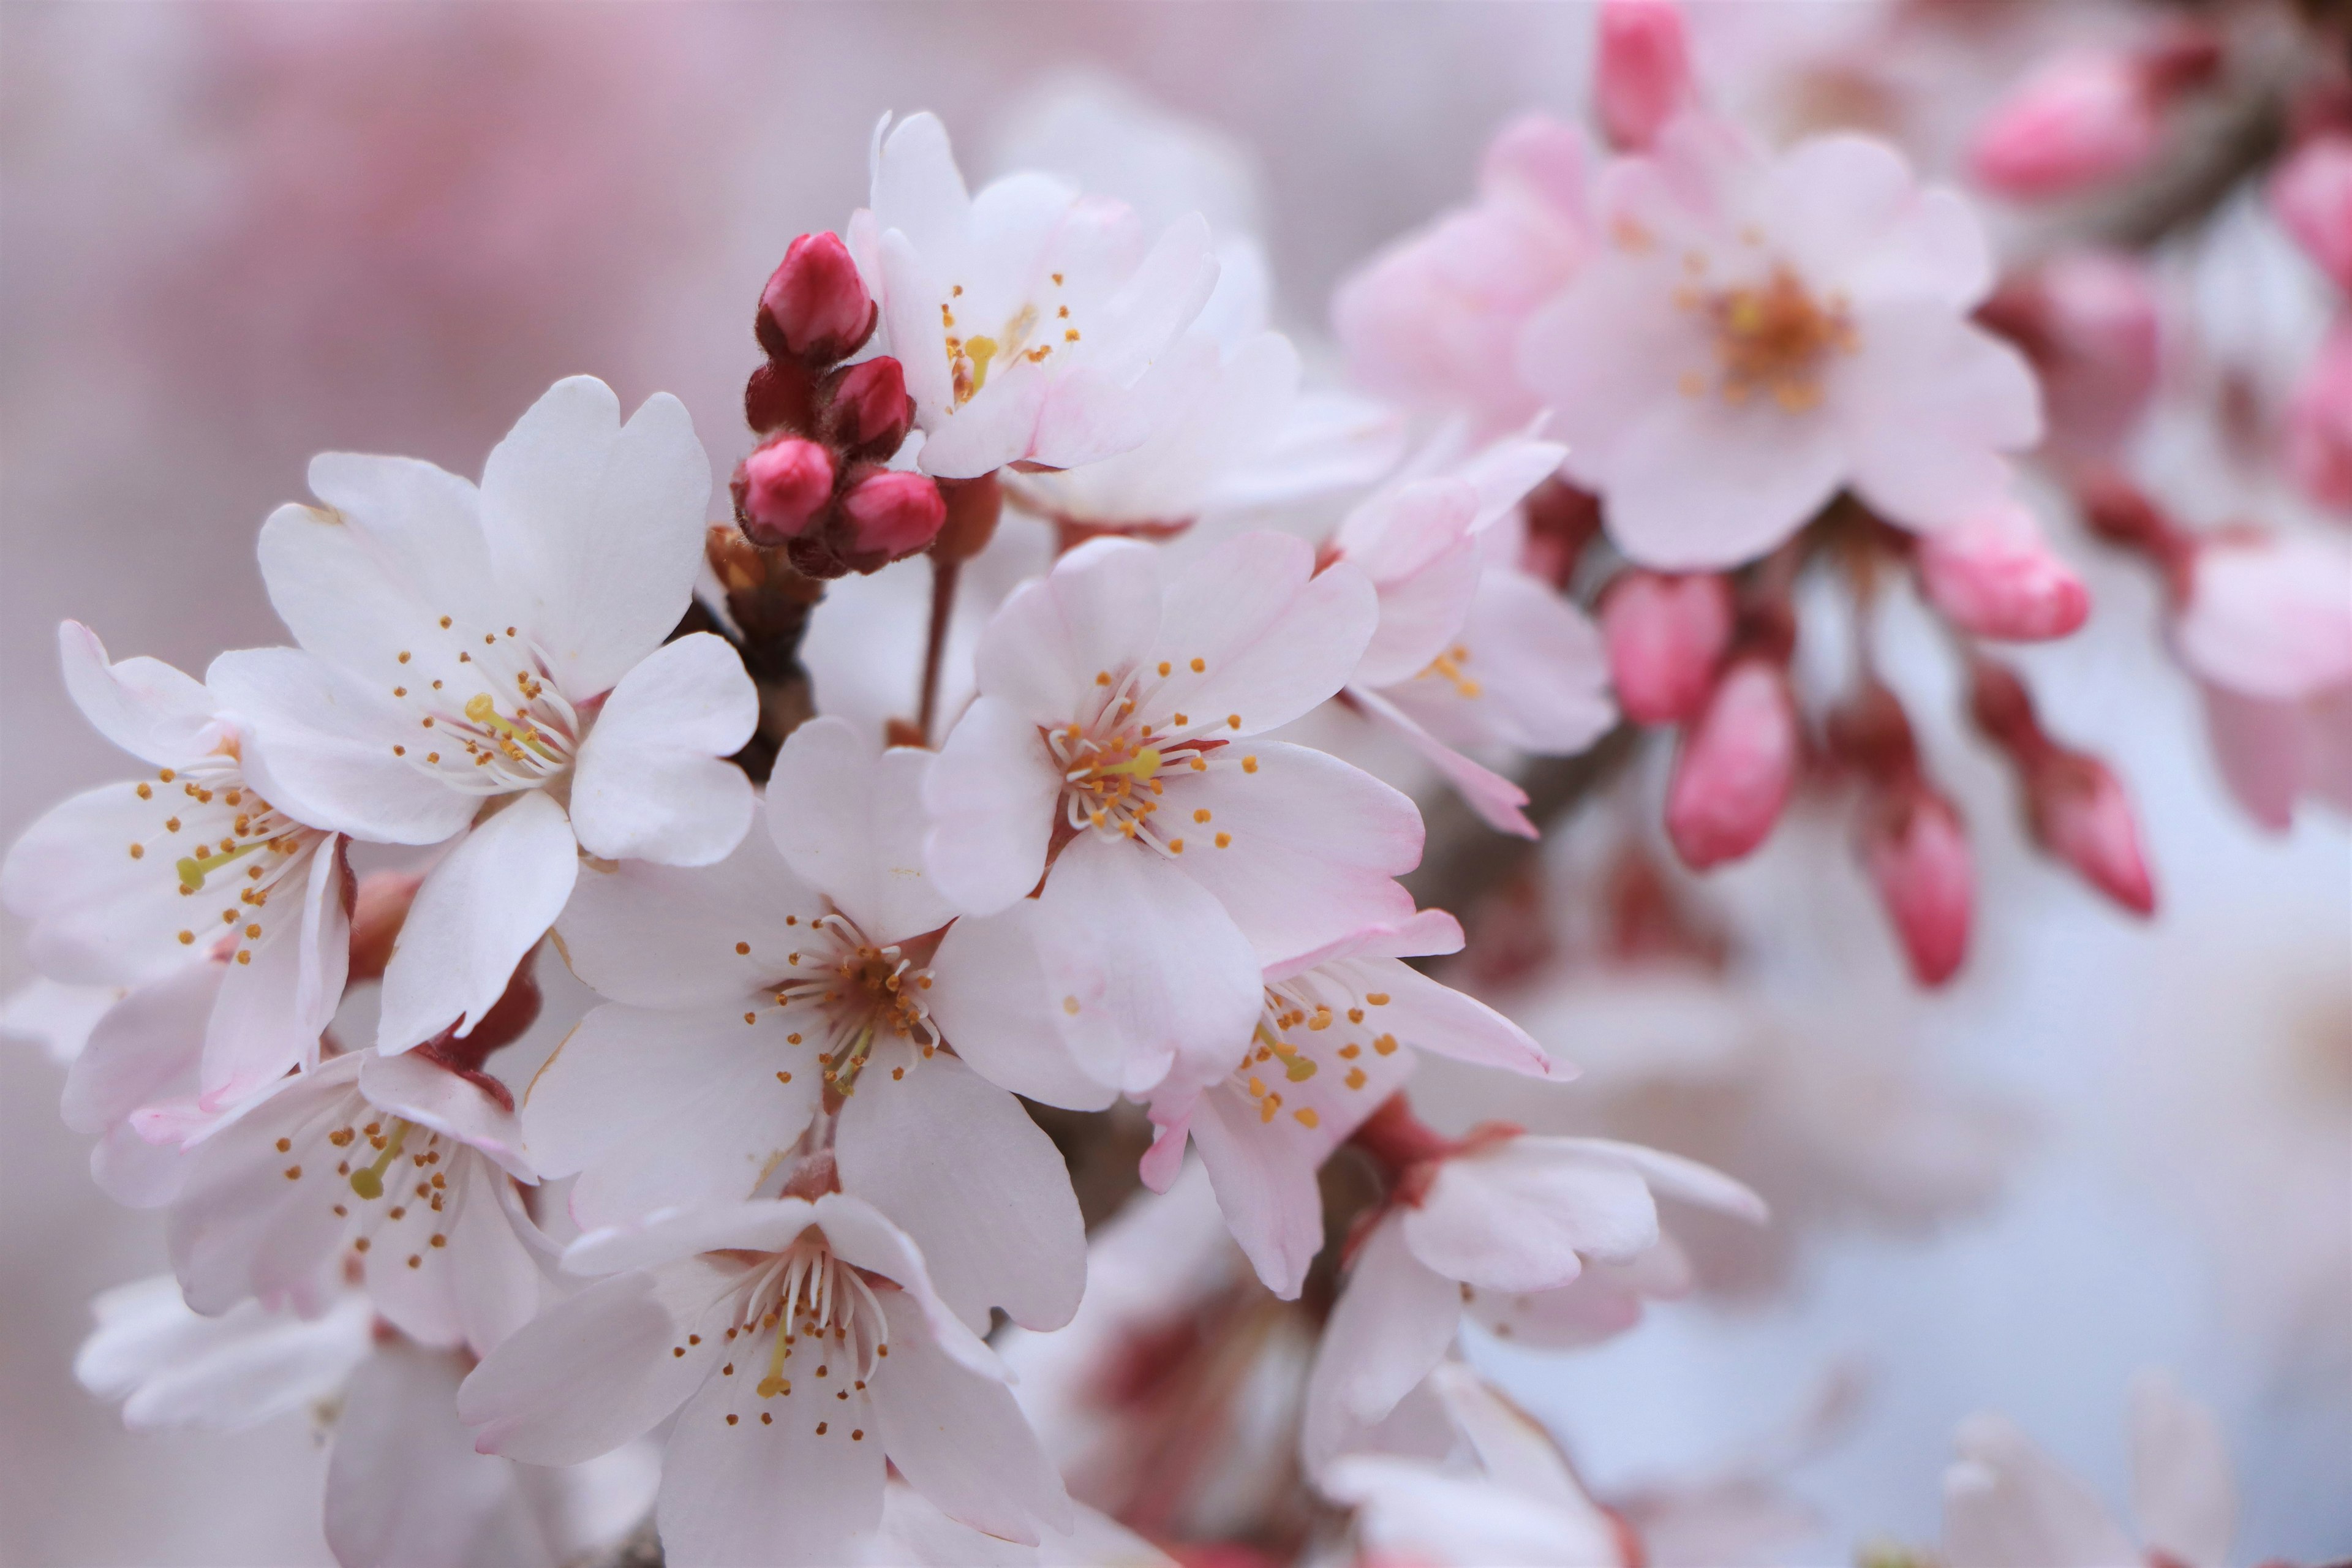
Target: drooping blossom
398,1171
2007,1504
1335,1039
1117,732
1432,319
809,968
1736,766
1034,322
1758,331
131,881
1502,1227
495,657
799,1343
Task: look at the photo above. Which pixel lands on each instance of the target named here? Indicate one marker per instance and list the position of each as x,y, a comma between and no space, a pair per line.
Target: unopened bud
816,306
892,514
1665,636
780,488
379,910
2082,119
1916,852
1737,763
2319,423
2090,323
2080,814
870,412
1993,576
1643,73
2311,196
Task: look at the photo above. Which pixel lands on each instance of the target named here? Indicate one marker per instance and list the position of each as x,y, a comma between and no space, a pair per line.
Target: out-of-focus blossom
1665,636
174,1368
1735,768
464,648
2312,194
2319,423
57,1017
1432,320
799,1343
1034,324
1641,78
1916,852
1116,726
2090,323
1995,576
1760,330
1330,1047
2081,120
130,881
2007,1504
2075,804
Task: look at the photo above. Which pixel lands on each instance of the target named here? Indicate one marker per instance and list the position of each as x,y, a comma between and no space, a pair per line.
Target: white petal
1515,1216
1930,402
861,1235
1673,1176
144,706
656,1110
223,1373
59,1017
594,528
848,816
1537,673
425,1092
992,1001
404,1483
960,1439
1392,1322
1274,636
1098,610
1698,483
2007,1504
992,794
478,911
773,1491
142,1050
2183,1495
1265,1180
959,1166
272,1010
654,782
670,1235
1499,803
1434,1017
100,916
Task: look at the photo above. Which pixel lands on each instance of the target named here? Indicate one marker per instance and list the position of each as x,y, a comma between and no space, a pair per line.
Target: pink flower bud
1665,637
781,486
1644,74
2312,194
2090,323
1993,576
1736,768
2319,423
2081,814
815,305
870,409
2080,121
1918,854
892,514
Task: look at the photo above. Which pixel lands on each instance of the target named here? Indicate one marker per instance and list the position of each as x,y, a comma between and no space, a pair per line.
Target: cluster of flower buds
817,487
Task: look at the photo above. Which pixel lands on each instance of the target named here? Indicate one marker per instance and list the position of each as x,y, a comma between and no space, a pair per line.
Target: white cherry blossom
799,1343
130,882
490,663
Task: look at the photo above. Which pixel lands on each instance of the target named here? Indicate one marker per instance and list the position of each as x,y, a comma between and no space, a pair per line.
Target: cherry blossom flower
130,881
2007,1504
395,1168
136,1086
1329,1048
1034,324
1117,727
800,1343
2267,631
1498,1226
495,657
807,970
914,1534
1432,319
1759,331
172,1367
57,1017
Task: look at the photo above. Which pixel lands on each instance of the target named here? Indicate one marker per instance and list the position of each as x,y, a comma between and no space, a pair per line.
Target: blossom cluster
996,792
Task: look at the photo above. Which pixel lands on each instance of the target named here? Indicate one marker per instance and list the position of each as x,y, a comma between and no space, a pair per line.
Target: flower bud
2082,119
1665,637
1736,765
780,488
2311,196
1993,576
2080,814
1644,74
2089,322
2319,423
1916,852
870,412
892,514
816,306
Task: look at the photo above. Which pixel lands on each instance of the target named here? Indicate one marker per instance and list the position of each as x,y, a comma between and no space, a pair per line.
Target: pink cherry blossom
2081,120
2312,194
1642,77
801,1345
1116,731
2319,423
1758,331
135,881
1994,577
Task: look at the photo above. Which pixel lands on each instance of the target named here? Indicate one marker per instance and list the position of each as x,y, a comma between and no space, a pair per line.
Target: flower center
804,1292
488,717
1114,762
1311,1022
389,1188
859,992
224,829
1772,338
970,357
1448,667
